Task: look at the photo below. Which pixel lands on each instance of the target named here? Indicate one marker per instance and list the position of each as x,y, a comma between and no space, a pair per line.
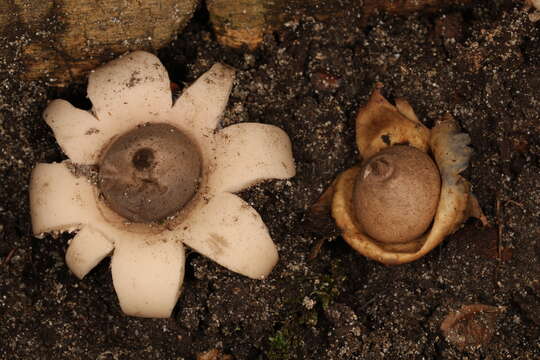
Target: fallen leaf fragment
471,326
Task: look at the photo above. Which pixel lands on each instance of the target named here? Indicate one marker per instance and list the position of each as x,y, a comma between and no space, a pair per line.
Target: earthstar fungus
399,204
166,175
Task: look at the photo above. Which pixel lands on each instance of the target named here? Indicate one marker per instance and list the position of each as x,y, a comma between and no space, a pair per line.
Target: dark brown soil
480,63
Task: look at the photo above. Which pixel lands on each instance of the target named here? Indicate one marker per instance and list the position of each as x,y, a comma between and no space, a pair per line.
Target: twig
499,211
316,250
8,257
500,225
518,204
321,209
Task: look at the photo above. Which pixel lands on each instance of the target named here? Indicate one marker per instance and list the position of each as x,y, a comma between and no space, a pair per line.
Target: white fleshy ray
59,201
86,250
200,107
78,132
130,91
147,274
249,153
229,231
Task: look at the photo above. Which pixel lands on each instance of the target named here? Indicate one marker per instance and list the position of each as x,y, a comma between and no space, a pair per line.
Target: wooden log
238,23
70,37
243,23
407,6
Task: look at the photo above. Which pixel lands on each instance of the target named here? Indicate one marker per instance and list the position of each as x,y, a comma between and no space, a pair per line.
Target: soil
481,63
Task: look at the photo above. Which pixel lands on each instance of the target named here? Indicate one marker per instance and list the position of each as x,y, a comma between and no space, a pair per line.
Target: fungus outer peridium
150,172
396,194
380,125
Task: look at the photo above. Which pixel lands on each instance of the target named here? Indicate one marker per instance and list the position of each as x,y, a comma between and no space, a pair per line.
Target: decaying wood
239,23
214,354
243,23
70,37
61,40
407,6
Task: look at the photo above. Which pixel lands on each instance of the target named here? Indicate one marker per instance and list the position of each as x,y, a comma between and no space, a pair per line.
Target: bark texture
243,23
70,37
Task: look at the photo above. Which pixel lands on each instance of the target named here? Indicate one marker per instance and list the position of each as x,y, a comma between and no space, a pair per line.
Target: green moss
329,286
287,343
280,346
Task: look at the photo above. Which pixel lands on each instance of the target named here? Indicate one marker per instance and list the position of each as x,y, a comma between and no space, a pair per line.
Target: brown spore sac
396,194
149,173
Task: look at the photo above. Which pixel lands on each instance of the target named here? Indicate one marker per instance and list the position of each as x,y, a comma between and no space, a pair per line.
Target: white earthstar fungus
145,151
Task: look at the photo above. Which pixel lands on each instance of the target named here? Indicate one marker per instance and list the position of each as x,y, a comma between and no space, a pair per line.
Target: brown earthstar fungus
407,195
146,177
